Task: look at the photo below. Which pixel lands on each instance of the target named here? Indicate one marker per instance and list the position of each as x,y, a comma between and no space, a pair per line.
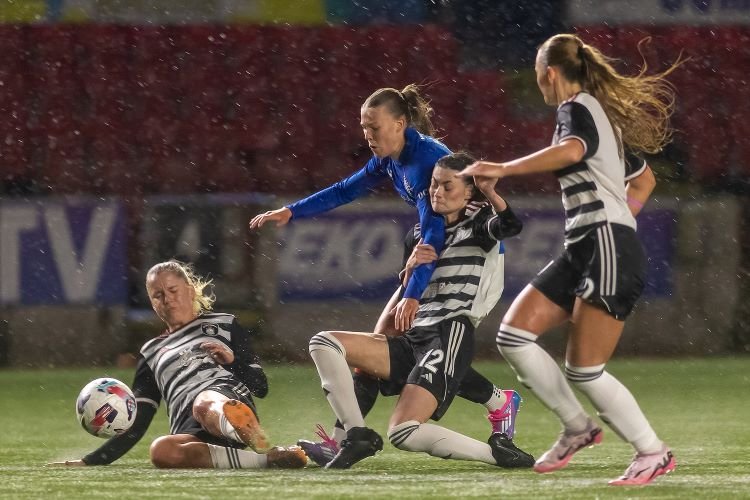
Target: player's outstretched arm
117,446
280,216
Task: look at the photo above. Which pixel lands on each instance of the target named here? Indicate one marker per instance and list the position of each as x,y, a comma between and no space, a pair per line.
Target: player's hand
485,184
483,169
422,254
68,463
405,311
219,352
280,216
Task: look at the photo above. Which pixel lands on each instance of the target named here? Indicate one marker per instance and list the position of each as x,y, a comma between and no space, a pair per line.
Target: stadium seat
632,46
600,36
60,162
250,96
432,55
14,105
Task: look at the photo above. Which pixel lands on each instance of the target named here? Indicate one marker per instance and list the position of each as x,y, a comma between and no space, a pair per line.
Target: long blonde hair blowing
407,102
638,107
204,299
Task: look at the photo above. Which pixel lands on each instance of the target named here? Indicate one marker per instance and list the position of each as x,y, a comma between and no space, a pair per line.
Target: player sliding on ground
502,405
430,359
204,368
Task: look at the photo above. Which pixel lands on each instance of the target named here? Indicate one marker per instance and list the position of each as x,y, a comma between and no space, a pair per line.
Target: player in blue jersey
596,281
204,369
398,130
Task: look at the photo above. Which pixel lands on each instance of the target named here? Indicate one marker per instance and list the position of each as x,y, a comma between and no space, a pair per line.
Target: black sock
475,387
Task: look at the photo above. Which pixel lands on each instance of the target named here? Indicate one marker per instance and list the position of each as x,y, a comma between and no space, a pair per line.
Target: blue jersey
411,175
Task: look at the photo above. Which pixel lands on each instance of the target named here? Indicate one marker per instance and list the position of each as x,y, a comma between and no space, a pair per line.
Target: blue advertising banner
62,251
356,255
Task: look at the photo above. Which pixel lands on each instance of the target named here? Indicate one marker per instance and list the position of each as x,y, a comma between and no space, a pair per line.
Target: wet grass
700,407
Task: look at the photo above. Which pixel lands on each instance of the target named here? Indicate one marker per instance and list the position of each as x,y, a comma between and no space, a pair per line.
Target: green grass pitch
700,407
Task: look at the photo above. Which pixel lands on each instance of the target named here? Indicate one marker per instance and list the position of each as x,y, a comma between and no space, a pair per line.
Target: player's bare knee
201,408
164,453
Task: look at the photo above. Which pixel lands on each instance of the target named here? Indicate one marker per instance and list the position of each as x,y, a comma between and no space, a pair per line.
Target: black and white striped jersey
593,190
173,367
469,274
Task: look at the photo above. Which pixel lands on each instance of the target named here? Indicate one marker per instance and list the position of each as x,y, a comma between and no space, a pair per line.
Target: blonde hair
204,299
638,107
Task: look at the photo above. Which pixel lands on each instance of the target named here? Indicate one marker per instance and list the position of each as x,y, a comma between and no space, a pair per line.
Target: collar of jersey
412,138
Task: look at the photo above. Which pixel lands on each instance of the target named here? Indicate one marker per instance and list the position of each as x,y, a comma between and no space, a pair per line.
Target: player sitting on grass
430,359
502,404
205,370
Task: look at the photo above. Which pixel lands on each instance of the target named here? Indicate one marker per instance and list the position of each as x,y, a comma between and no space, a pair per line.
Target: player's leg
443,359
593,339
333,354
547,302
366,390
186,451
598,322
501,404
225,413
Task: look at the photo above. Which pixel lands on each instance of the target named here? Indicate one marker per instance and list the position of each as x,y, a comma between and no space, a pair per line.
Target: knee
326,341
511,339
201,408
399,434
165,453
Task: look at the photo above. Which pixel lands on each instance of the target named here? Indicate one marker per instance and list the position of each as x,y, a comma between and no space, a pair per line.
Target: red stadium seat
61,161
633,45
383,56
432,55
600,36
14,105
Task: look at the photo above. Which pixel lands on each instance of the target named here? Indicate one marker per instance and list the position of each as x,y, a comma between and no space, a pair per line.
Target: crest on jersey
210,329
461,234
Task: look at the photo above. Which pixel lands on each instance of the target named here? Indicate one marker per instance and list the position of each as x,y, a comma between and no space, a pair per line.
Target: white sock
616,406
538,371
232,458
497,400
336,379
439,442
339,434
227,430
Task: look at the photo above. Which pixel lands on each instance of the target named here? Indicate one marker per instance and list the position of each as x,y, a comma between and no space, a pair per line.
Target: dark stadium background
133,132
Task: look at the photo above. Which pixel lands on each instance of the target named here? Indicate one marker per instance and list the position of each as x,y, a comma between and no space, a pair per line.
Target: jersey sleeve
147,396
634,166
504,224
246,365
574,121
491,227
345,191
432,226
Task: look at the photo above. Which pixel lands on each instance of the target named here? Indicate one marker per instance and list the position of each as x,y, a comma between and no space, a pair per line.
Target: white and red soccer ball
106,407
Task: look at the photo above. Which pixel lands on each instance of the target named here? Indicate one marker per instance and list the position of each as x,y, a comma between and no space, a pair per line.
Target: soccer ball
106,407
